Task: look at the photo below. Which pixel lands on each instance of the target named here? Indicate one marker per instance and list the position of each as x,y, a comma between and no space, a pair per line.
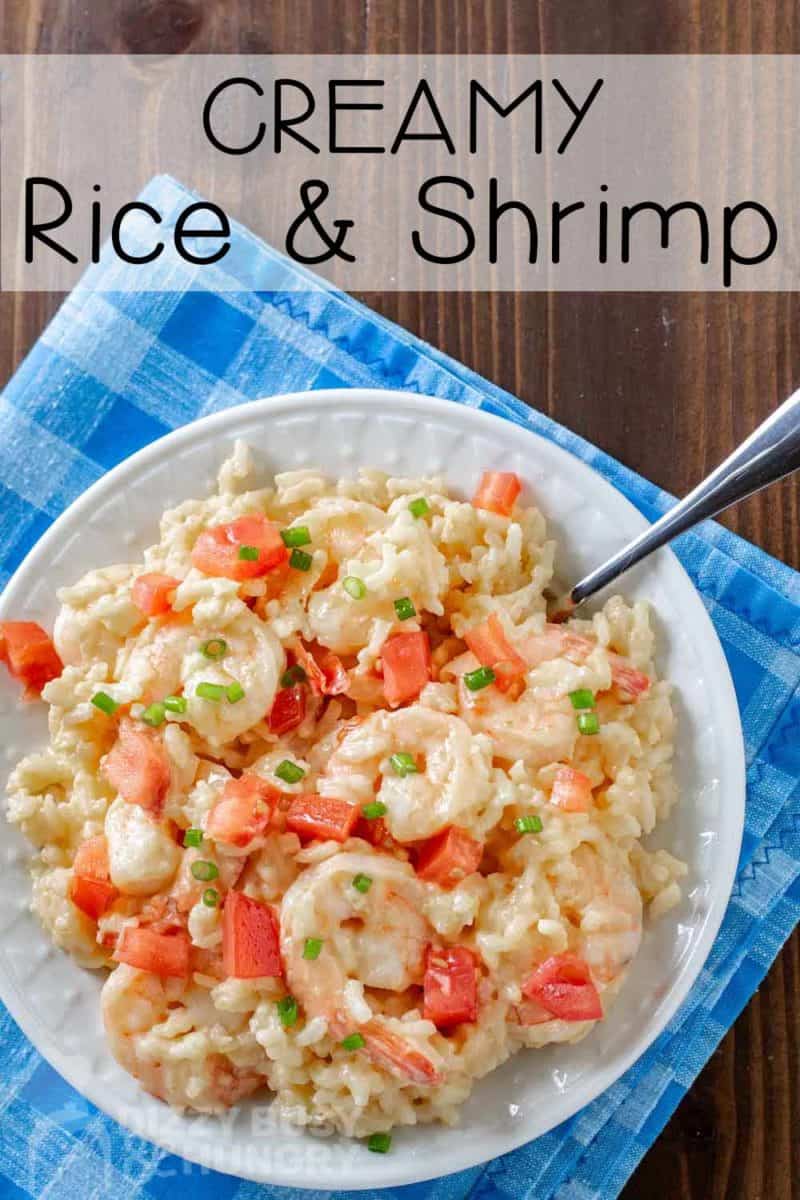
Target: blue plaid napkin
114,371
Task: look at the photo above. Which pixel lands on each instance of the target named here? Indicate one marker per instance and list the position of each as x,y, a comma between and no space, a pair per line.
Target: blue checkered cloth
114,371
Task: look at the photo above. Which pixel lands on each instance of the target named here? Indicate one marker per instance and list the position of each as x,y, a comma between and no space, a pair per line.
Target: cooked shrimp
170,1036
168,658
172,908
449,785
398,561
377,941
142,854
533,728
556,641
341,525
604,904
70,929
96,616
339,622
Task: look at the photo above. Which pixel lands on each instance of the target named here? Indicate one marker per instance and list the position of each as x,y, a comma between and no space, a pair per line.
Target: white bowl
57,1004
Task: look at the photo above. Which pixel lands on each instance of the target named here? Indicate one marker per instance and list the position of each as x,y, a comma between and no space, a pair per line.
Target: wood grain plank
667,383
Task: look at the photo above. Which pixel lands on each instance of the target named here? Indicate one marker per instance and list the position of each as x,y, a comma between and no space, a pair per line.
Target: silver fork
768,454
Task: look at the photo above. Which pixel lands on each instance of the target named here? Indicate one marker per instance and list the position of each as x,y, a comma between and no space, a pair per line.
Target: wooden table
666,383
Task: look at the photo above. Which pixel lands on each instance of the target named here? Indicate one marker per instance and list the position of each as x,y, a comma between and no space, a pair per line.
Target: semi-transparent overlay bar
568,173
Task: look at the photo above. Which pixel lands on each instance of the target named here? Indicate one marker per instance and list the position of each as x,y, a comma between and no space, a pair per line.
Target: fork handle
771,452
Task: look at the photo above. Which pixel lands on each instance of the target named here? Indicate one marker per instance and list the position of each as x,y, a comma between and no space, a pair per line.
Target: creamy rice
553,812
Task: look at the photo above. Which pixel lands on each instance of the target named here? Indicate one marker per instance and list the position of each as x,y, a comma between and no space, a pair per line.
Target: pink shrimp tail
627,679
396,1055
530,1012
557,641
542,647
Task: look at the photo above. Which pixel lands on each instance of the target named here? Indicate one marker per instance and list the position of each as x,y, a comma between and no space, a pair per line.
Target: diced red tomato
29,654
158,953
324,669
563,985
492,648
288,710
375,831
138,767
406,661
450,989
497,492
250,939
90,888
91,896
322,817
243,811
152,593
572,790
448,857
216,551
91,858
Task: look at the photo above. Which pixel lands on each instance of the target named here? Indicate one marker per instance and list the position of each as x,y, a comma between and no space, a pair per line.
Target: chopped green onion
353,1041
248,553
176,704
528,824
374,810
379,1143
193,837
234,692
582,698
419,507
289,772
210,691
312,948
362,883
404,608
214,648
211,897
298,535
205,871
588,722
300,560
403,764
103,701
355,587
287,1011
154,714
295,674
481,678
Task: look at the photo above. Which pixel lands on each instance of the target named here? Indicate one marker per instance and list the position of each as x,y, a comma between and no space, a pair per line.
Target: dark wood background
667,383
